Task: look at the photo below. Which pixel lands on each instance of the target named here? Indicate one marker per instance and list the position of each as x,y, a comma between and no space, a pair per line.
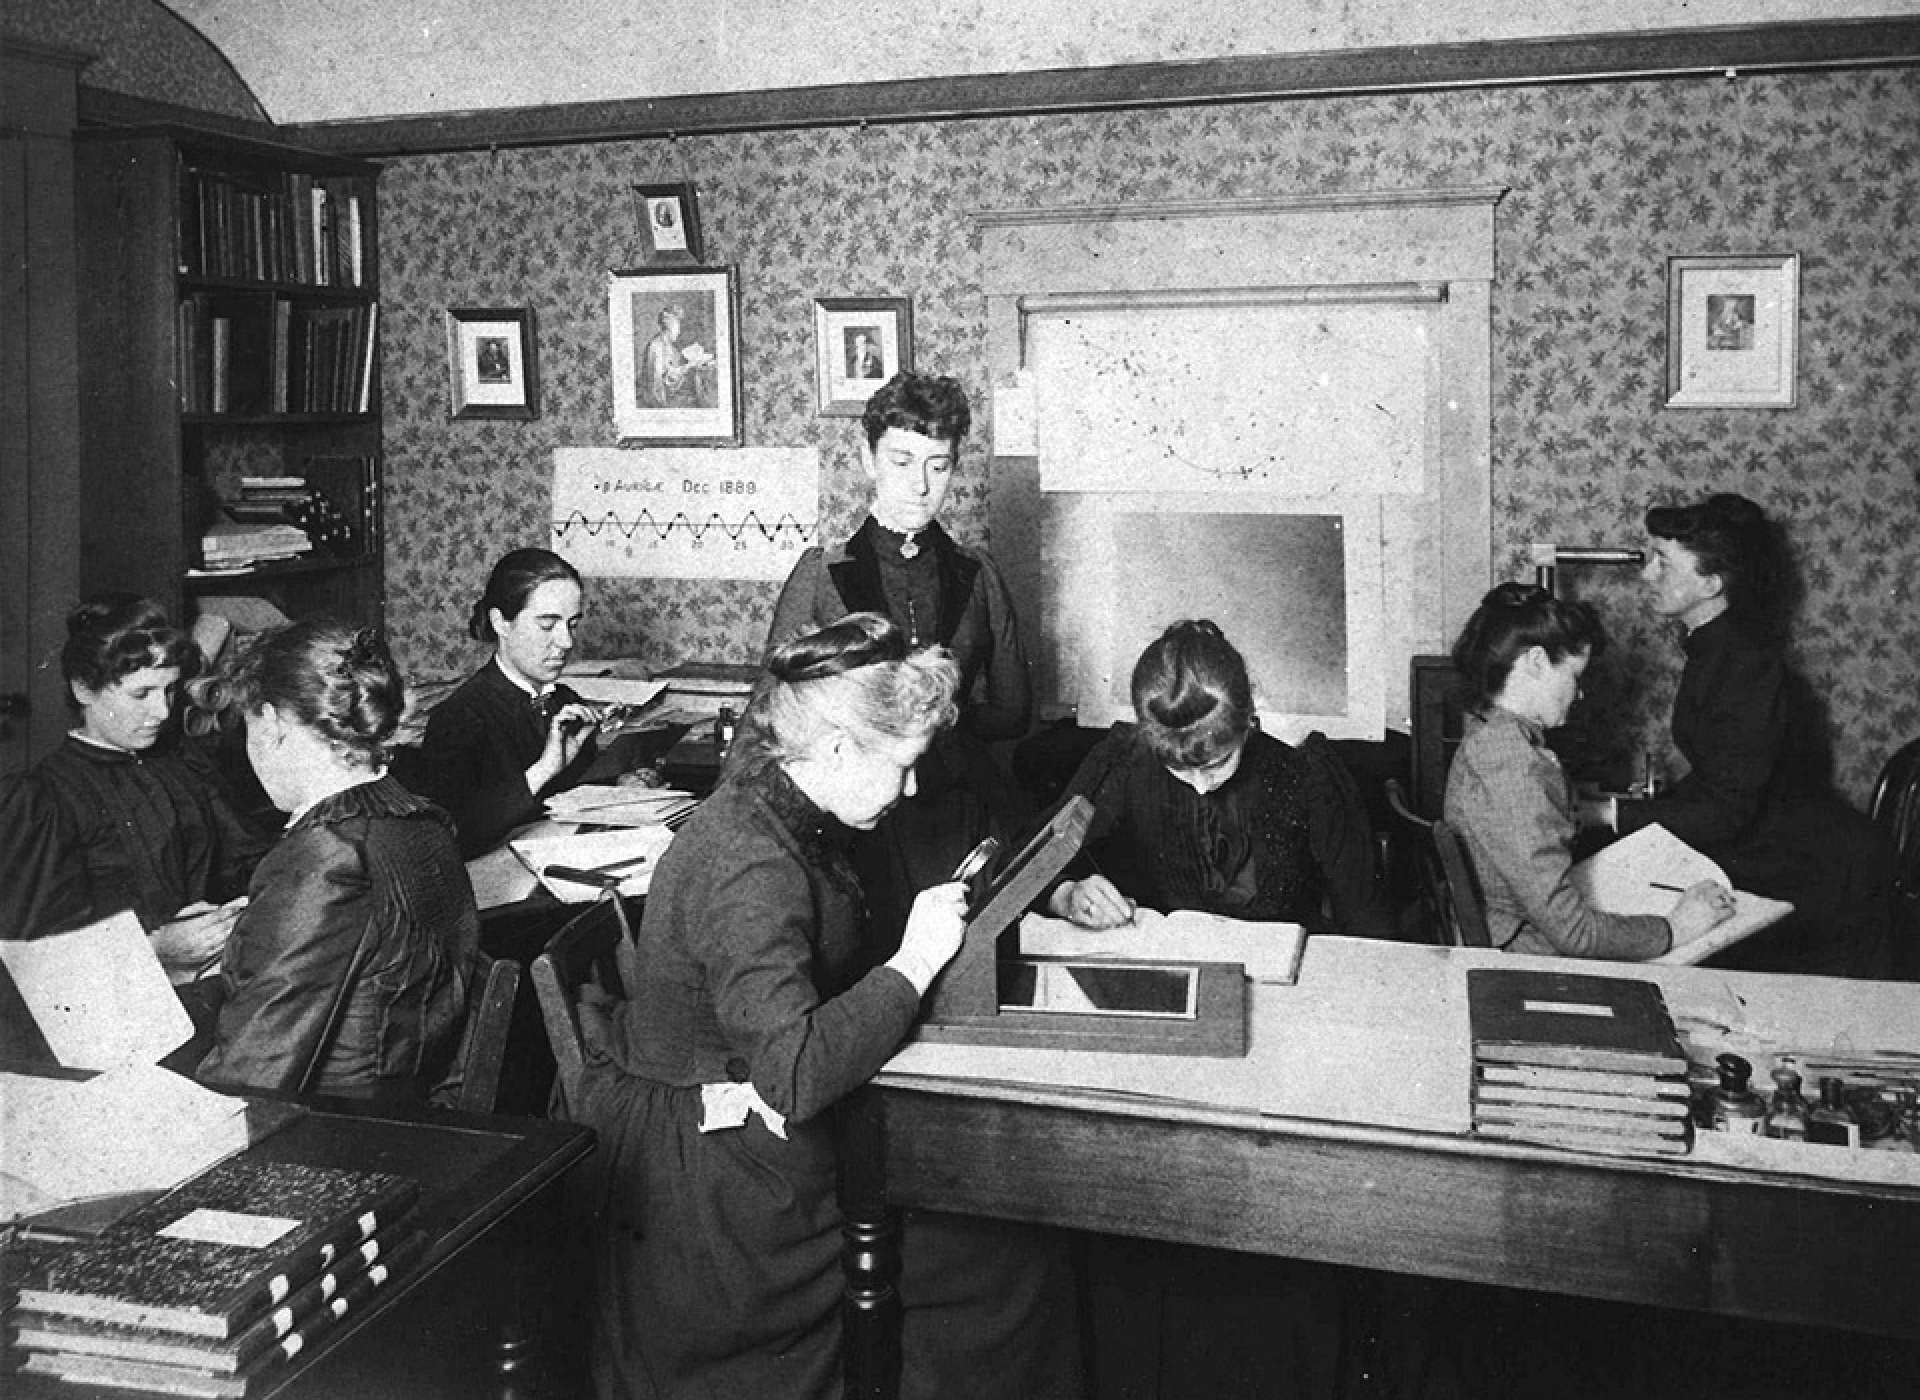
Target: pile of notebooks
1574,1060
214,1287
234,544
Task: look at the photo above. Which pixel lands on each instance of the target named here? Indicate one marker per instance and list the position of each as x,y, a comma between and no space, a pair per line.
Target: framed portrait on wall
493,366
859,343
675,338
668,220
1733,331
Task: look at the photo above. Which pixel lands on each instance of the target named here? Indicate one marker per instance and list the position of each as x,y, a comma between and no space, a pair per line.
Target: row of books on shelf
212,1288
251,358
284,226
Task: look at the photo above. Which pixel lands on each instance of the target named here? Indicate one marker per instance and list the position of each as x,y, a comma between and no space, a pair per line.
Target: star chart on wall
685,512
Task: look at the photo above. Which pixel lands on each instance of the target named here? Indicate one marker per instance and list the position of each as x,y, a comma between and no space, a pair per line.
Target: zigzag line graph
786,529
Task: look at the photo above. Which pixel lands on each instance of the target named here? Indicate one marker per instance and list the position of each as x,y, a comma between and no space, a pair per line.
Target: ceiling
325,62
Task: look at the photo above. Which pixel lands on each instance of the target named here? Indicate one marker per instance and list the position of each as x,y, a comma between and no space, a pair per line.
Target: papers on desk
98,994
631,853
1646,873
600,804
139,1128
1269,952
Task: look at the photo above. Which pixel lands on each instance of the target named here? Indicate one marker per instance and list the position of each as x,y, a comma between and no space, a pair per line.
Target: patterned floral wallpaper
141,49
1606,181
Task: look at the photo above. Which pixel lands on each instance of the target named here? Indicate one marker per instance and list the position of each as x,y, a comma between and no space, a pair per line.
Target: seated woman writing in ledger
753,1010
348,972
511,735
1520,659
128,813
1196,808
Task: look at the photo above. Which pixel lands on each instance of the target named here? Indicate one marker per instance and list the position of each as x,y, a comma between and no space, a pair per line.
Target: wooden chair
483,1041
583,958
1896,809
1449,892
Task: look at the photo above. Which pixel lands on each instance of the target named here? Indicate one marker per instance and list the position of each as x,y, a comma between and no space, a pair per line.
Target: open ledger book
1647,872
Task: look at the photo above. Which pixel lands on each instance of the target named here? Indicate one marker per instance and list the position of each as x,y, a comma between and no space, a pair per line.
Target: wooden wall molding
1705,52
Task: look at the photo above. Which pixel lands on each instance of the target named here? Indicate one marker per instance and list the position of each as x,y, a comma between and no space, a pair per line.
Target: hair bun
846,645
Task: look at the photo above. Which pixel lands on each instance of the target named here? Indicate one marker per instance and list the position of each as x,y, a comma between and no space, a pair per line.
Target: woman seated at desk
752,1011
349,970
1520,658
512,735
127,813
1196,808
1756,797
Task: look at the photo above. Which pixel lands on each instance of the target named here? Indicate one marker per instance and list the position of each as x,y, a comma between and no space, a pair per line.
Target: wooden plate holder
963,1004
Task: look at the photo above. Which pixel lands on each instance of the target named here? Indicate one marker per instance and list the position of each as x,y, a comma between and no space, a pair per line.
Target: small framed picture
1733,331
675,337
493,366
668,219
859,343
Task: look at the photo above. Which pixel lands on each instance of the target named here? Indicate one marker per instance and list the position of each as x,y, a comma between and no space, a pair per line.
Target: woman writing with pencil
1520,659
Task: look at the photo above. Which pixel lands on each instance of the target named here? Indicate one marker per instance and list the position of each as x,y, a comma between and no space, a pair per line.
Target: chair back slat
593,949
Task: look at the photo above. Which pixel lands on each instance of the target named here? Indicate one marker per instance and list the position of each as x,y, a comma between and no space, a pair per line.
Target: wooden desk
1672,1233
494,1264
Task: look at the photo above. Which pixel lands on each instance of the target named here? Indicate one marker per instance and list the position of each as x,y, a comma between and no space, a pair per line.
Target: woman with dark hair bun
349,971
1756,795
1196,808
511,736
1520,658
126,814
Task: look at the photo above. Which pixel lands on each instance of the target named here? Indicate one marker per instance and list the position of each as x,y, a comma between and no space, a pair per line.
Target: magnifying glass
977,859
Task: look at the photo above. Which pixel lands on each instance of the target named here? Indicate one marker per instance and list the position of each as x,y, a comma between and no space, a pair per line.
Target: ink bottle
1831,1121
1787,1110
723,728
1731,1106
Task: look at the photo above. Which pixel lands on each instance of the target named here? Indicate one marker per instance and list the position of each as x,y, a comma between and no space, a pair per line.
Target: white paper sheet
98,994
1646,873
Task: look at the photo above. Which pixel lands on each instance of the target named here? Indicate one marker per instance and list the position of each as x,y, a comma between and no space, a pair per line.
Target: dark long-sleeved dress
1511,803
953,595
474,757
1284,833
718,1253
91,830
366,885
1754,800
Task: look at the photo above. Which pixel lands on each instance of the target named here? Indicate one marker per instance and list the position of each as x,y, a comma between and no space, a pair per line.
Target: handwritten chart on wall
1302,398
685,512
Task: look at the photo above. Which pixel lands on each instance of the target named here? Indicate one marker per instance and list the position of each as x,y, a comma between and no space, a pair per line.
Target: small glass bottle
723,727
1831,1121
1879,1121
1788,1109
1731,1106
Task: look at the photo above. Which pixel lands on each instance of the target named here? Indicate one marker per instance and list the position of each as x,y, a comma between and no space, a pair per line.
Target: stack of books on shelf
1574,1060
273,227
215,1286
233,544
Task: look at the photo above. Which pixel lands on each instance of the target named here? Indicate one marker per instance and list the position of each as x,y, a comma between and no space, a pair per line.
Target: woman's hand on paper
935,926
193,940
1704,905
1091,903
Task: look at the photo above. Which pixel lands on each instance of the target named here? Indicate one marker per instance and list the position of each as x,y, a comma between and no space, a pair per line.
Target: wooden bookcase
229,328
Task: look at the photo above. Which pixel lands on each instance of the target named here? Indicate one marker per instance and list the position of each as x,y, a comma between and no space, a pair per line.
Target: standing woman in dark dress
511,735
1196,808
1755,797
903,564
753,1009
349,971
127,813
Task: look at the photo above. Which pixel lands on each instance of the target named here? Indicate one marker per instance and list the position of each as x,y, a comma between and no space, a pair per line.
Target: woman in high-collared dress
901,563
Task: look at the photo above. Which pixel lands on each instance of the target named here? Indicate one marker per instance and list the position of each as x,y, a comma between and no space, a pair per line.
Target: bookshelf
229,335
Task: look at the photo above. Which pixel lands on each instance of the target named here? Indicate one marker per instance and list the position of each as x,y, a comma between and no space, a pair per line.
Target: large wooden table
1680,1233
485,1311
